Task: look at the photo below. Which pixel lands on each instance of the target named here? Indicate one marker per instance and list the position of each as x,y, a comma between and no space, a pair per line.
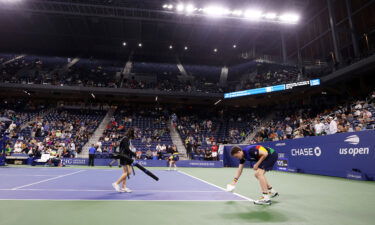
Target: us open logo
353,140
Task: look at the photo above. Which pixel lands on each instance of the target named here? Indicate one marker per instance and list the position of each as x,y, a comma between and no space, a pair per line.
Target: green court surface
304,199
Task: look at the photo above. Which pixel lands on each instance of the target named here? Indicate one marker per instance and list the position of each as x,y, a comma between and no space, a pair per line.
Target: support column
332,22
283,47
299,55
352,28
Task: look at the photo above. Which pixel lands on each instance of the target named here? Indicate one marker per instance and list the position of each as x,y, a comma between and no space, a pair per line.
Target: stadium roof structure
114,28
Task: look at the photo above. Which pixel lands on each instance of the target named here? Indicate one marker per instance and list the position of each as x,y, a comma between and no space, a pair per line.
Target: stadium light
124,43
237,12
216,11
215,49
170,46
270,16
289,18
186,48
190,8
234,46
140,45
253,14
180,7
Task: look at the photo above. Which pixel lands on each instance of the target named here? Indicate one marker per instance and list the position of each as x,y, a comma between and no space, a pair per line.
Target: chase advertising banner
147,163
349,155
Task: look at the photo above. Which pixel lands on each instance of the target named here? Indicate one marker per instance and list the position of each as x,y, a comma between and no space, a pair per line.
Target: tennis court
190,196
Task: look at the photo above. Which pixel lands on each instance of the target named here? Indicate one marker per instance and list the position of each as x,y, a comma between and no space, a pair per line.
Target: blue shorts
269,162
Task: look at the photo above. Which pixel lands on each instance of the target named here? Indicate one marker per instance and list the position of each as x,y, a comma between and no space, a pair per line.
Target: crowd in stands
61,133
304,122
266,74
152,138
203,132
88,72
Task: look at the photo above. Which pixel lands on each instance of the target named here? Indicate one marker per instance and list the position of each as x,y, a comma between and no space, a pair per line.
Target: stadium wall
348,155
147,163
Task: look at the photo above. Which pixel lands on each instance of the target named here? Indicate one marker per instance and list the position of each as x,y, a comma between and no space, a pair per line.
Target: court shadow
262,214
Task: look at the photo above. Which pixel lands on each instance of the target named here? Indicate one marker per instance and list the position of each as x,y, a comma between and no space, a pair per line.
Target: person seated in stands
8,149
214,151
208,155
149,154
138,154
18,147
66,153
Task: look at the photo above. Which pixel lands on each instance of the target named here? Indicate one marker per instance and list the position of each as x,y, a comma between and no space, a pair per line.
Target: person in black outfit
115,156
126,155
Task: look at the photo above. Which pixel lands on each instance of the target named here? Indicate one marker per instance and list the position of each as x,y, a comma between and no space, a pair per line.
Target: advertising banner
340,155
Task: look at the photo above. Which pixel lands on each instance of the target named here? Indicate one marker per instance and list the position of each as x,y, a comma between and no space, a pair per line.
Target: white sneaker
273,194
126,190
263,201
116,187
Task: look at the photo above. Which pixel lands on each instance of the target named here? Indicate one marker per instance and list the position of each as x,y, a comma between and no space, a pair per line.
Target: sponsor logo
282,163
280,144
317,151
354,151
353,140
281,155
68,161
354,176
306,152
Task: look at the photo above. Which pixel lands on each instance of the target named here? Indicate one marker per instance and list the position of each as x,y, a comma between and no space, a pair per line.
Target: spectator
92,151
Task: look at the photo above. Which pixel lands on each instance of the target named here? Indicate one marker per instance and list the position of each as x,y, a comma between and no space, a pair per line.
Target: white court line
241,196
25,175
42,181
109,190
127,200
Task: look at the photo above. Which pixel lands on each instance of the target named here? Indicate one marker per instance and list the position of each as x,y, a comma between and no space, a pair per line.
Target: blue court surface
95,184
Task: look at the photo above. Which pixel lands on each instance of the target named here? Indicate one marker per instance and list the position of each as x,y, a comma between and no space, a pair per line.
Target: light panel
252,14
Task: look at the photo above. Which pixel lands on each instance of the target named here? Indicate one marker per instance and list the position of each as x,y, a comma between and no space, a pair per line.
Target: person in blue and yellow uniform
173,159
264,159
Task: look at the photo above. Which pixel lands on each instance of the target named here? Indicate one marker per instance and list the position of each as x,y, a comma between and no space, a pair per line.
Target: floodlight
237,12
289,18
270,16
189,8
253,14
180,7
216,11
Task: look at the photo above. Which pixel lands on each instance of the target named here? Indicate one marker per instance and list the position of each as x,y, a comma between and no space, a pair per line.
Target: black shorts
115,156
269,162
125,161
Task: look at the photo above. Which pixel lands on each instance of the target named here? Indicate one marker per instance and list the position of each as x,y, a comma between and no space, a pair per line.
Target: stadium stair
97,134
251,135
176,140
14,59
126,71
40,114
